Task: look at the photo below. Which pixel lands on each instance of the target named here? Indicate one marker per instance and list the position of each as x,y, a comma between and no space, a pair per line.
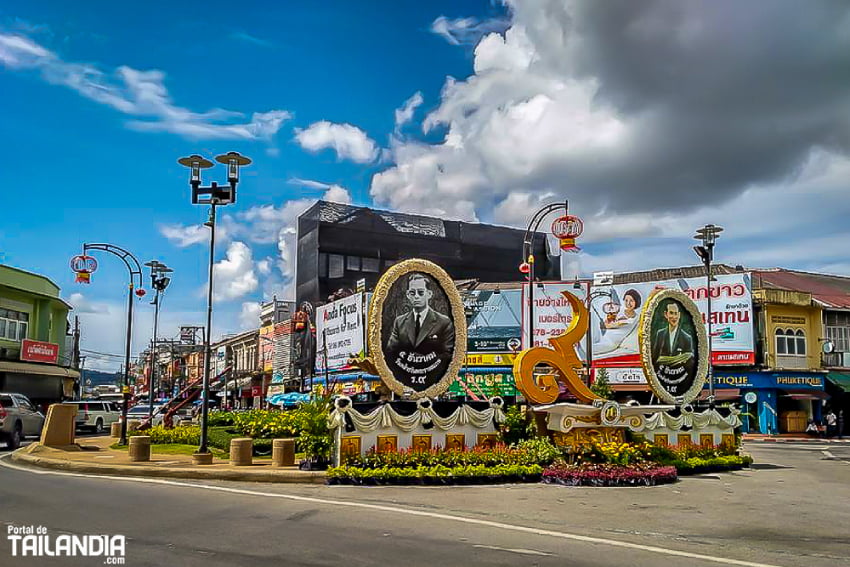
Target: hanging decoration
84,266
566,229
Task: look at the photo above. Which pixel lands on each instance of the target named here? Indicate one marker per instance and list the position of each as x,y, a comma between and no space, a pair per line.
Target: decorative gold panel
421,443
487,440
684,439
349,447
661,439
727,439
706,439
455,441
588,436
387,443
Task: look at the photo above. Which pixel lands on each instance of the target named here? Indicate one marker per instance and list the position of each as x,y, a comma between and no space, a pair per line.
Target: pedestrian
831,423
812,428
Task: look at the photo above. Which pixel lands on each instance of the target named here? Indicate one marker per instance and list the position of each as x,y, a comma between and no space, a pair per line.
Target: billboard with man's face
417,332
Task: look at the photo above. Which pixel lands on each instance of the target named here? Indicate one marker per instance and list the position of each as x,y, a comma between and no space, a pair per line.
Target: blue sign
769,380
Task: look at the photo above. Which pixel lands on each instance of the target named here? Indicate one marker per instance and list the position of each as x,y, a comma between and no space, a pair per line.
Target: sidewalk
792,438
93,455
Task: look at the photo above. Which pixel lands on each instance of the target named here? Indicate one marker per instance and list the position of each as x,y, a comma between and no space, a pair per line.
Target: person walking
831,423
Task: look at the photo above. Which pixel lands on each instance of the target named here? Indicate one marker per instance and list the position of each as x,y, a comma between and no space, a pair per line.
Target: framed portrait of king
417,329
673,346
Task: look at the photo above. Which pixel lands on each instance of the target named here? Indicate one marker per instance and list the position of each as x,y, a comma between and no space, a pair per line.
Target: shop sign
615,311
493,320
37,351
490,359
484,384
770,380
552,312
256,391
625,375
340,332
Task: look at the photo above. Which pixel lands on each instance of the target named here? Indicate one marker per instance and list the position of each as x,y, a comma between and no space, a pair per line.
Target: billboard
615,312
552,312
493,320
340,331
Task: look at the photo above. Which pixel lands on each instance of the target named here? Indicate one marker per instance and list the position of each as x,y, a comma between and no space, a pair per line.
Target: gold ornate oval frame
376,309
645,346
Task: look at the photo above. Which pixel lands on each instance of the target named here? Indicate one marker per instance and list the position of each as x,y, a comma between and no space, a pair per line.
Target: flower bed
435,475
607,474
697,465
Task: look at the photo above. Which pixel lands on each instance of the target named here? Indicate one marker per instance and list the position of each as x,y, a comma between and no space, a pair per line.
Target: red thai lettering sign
37,351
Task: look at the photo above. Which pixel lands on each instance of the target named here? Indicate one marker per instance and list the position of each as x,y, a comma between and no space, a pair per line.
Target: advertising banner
484,384
618,376
37,351
552,312
490,359
493,320
615,312
340,331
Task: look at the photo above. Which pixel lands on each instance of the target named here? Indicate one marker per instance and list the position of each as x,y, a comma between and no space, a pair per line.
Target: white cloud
183,236
139,94
249,317
404,114
465,31
349,142
234,276
82,304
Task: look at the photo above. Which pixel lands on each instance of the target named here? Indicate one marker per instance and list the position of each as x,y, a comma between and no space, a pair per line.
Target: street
790,509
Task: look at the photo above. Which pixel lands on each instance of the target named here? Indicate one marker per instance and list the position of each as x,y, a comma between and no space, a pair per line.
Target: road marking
828,455
408,512
518,550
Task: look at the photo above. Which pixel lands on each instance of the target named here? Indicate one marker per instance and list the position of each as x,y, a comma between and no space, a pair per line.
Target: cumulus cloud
639,113
349,142
141,95
234,275
187,235
249,317
404,114
82,304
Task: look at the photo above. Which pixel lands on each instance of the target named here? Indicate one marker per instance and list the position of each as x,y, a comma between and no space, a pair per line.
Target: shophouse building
37,354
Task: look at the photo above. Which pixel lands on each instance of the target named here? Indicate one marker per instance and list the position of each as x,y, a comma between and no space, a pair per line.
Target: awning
38,369
721,394
840,379
805,394
238,384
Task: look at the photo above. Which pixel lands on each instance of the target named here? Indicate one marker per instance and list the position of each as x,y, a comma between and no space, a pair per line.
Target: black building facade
341,244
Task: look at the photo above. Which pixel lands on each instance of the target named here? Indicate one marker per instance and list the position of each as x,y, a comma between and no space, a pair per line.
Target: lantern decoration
83,266
301,320
140,292
611,309
566,229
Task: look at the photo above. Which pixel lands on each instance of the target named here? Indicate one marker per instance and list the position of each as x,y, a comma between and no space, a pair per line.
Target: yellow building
791,324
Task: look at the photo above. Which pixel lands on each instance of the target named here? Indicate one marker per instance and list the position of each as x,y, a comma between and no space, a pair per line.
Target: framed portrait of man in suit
673,345
417,319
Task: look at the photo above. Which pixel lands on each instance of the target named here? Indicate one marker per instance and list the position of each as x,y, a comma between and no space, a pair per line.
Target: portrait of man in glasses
421,343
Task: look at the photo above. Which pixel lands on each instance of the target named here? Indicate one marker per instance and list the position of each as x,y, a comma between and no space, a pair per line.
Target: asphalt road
790,510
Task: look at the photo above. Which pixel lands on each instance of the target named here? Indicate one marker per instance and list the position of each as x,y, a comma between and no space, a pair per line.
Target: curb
795,440
289,477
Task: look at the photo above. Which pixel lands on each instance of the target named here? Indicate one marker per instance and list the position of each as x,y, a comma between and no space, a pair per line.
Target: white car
96,415
141,412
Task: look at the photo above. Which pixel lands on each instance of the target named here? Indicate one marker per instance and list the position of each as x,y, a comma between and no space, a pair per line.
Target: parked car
18,419
141,412
96,414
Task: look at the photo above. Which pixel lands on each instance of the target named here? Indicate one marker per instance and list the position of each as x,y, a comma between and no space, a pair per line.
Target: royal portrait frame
645,345
374,333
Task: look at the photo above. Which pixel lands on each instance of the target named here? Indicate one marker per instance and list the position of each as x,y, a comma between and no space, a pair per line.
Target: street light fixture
708,235
213,195
159,281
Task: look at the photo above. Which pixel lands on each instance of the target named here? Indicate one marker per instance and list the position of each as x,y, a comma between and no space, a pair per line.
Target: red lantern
83,266
566,229
140,292
524,268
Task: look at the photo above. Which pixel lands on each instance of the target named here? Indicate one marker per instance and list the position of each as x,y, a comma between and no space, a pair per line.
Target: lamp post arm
132,263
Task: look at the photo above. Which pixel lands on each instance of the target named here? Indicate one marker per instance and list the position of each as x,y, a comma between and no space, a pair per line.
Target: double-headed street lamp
159,281
214,195
708,235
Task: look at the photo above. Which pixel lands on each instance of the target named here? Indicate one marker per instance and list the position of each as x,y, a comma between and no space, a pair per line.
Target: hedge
435,475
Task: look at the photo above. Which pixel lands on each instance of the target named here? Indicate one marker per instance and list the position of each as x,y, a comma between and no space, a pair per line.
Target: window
790,342
323,265
838,332
336,266
371,265
13,324
352,263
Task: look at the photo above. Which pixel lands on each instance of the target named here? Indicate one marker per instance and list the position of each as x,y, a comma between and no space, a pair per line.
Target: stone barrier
241,450
283,452
60,426
202,458
115,430
140,448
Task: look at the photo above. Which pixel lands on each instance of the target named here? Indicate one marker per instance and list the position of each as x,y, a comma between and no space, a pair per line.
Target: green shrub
311,423
218,418
518,426
440,474
267,424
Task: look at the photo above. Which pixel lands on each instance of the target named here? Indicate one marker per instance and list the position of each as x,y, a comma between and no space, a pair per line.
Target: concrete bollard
241,450
60,426
283,452
140,448
133,424
202,458
115,430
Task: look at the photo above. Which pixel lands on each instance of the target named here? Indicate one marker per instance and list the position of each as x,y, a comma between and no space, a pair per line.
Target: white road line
410,512
516,550
828,455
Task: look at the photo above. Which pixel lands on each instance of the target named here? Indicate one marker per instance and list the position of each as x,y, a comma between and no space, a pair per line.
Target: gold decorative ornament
487,440
561,356
349,447
667,388
455,441
706,439
421,443
377,360
580,436
387,443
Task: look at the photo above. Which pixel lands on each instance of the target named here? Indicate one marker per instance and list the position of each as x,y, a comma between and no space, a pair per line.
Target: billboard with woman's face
417,329
673,346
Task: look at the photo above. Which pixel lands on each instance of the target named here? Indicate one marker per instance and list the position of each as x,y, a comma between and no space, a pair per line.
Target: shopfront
774,402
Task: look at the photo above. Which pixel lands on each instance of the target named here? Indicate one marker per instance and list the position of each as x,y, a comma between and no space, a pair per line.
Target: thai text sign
484,384
37,351
340,332
552,311
614,330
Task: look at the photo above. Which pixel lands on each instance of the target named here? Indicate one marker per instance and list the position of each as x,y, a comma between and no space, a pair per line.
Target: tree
600,385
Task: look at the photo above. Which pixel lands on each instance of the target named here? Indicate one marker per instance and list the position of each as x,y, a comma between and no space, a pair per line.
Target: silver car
18,419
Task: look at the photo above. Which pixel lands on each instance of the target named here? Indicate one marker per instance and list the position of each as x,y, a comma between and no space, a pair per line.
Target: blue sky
652,119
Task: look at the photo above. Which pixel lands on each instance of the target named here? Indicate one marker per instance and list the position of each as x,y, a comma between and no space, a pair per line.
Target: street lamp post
708,235
527,265
159,281
588,337
213,195
135,271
